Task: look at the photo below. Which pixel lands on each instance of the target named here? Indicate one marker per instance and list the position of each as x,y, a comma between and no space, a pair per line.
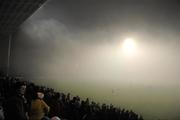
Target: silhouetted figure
56,106
15,107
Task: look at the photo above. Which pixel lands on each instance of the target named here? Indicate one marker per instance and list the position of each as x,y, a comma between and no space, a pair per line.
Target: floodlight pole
9,54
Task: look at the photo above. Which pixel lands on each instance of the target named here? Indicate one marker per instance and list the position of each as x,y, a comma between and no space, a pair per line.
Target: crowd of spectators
43,103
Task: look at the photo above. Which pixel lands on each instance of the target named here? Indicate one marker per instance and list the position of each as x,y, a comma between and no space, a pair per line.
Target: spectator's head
40,95
55,118
57,96
20,88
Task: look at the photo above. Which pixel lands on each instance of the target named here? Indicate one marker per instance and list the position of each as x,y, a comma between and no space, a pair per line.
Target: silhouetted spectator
55,105
15,107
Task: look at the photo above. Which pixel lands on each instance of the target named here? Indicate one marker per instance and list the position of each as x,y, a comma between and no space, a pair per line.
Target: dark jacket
15,109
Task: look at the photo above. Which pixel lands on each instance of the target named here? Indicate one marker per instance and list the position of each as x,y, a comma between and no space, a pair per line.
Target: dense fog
76,47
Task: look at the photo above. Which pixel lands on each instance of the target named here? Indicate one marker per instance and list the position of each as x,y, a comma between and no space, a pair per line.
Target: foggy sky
74,46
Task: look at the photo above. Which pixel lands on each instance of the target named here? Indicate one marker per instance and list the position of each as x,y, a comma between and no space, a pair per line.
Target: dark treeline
64,106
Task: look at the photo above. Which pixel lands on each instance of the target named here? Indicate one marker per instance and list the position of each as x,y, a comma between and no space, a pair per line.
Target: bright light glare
129,47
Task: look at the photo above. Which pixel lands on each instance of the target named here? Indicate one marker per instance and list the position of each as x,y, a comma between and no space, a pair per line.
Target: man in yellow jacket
38,107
